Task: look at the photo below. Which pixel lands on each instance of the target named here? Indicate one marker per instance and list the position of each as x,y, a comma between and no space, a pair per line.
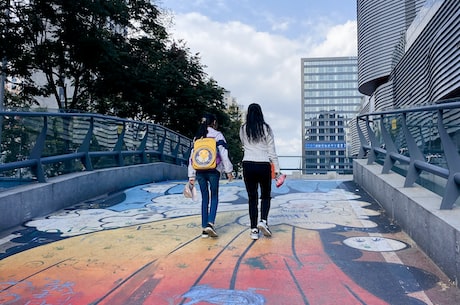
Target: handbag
190,191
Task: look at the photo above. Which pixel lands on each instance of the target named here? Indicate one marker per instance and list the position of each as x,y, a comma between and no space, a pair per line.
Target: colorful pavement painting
331,244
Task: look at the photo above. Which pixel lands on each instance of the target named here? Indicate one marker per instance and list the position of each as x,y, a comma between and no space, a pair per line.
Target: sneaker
210,230
204,234
262,226
254,234
280,180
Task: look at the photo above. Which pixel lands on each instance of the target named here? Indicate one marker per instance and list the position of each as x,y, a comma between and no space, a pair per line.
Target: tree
185,92
233,136
78,45
108,56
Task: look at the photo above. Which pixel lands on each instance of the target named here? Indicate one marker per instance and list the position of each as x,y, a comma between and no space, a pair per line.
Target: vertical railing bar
451,192
389,147
374,143
414,153
37,152
85,145
362,138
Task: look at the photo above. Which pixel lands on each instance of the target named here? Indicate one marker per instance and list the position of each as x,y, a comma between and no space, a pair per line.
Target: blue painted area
336,210
177,189
150,202
306,186
137,197
141,203
205,293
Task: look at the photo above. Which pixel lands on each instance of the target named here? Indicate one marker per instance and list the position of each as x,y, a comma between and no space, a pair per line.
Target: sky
253,48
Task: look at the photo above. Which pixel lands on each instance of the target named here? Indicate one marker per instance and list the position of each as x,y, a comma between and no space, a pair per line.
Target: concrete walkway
331,244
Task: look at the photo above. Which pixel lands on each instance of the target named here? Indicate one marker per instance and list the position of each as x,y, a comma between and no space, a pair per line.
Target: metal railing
39,145
420,143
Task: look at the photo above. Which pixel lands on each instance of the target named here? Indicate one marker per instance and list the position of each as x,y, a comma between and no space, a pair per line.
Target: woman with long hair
208,179
259,155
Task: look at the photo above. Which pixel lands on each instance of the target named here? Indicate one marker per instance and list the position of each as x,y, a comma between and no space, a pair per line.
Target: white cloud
341,40
262,67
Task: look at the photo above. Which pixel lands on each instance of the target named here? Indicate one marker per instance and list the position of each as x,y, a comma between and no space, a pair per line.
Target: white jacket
262,151
225,164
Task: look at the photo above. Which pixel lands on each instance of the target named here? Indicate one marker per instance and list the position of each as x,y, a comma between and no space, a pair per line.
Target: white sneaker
262,226
210,230
254,234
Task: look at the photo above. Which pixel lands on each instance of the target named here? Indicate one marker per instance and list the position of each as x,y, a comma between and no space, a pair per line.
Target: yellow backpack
204,155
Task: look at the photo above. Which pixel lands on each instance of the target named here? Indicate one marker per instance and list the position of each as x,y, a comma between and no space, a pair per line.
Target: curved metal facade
380,26
414,62
384,96
430,68
408,51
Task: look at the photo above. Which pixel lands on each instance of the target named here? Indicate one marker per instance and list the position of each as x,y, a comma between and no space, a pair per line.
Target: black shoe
210,230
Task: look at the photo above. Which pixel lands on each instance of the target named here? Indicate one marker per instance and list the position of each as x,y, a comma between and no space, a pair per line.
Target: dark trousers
258,174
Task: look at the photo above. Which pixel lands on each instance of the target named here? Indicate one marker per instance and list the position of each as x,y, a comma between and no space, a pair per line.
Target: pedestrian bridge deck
331,244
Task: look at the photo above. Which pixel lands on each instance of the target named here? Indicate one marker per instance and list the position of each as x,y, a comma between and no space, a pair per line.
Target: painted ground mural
331,244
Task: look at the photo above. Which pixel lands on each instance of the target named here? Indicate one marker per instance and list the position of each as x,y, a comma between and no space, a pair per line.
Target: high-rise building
330,98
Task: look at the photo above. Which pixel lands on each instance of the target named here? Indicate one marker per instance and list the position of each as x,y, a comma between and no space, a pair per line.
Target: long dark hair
255,123
207,120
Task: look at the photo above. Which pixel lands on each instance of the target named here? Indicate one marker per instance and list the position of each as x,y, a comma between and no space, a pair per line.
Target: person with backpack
207,162
259,157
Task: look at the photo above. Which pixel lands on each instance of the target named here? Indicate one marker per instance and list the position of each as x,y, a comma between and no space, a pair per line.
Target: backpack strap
223,143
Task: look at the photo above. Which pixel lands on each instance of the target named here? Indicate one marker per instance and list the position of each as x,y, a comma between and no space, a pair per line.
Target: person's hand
230,177
191,181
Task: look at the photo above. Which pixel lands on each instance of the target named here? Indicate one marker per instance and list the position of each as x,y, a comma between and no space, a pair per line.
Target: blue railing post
414,152
84,147
143,145
37,152
417,162
362,139
374,143
161,147
452,191
119,145
175,153
81,143
389,146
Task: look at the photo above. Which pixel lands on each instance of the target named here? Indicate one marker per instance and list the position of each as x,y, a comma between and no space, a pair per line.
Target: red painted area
281,271
165,262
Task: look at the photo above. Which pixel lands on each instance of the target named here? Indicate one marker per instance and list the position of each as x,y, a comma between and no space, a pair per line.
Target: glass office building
330,98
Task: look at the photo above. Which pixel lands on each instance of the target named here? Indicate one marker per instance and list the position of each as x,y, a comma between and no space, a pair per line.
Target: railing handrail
442,104
171,146
417,162
81,114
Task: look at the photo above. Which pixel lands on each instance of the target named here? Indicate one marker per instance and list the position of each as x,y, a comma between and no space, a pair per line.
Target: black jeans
258,174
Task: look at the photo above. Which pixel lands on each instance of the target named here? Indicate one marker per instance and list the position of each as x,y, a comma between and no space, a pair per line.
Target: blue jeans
209,183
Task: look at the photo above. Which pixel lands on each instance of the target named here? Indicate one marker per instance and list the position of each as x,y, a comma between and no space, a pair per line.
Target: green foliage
233,137
111,57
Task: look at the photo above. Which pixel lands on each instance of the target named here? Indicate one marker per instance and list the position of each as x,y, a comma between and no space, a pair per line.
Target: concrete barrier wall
417,211
23,203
